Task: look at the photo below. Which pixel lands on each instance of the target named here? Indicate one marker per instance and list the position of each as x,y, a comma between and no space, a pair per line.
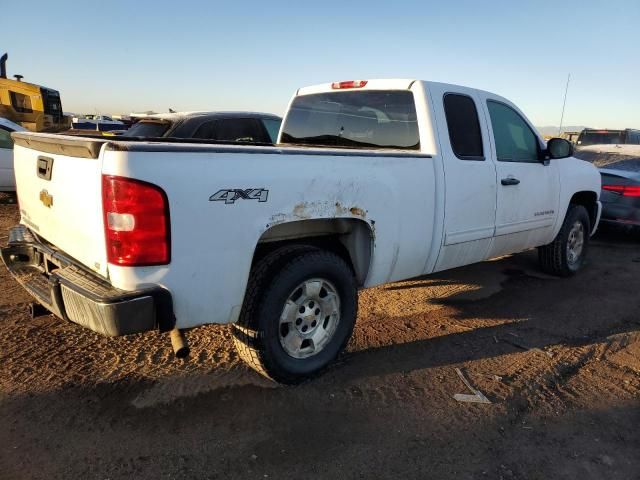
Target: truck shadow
511,307
476,344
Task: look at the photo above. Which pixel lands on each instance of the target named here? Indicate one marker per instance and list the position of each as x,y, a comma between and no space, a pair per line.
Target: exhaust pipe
179,343
3,65
37,310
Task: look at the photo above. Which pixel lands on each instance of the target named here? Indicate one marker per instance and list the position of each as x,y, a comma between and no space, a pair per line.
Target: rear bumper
73,293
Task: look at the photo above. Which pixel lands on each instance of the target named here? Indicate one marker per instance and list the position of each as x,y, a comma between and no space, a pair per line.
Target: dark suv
242,127
590,136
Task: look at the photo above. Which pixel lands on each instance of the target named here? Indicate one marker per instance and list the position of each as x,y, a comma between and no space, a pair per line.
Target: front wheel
299,312
566,254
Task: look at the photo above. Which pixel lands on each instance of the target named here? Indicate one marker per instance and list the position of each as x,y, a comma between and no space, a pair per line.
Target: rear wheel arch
350,238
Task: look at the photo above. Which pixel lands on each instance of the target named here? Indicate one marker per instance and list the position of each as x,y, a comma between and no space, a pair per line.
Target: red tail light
136,222
624,190
349,84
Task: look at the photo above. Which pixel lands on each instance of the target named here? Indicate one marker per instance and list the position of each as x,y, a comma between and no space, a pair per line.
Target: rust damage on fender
358,212
301,210
306,210
355,211
317,210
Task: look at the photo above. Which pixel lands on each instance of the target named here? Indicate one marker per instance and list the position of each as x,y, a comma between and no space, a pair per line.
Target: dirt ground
559,359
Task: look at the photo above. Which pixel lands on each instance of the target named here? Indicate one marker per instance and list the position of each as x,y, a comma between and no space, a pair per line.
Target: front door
528,187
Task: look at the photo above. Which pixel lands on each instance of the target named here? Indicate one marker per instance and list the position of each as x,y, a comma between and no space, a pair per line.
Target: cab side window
231,130
238,130
5,139
206,131
464,126
514,139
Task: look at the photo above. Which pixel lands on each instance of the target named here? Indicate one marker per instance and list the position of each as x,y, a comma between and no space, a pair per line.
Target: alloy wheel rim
309,318
575,242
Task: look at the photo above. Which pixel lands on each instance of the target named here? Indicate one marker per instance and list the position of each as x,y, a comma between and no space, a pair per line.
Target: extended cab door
470,176
528,187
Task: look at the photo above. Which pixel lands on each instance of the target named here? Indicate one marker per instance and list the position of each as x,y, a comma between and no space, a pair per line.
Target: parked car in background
619,167
100,123
590,136
245,127
570,136
7,179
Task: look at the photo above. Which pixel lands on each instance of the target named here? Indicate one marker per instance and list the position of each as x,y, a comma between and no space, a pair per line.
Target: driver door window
515,141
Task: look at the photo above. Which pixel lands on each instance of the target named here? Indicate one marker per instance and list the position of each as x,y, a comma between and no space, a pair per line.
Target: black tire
257,332
554,258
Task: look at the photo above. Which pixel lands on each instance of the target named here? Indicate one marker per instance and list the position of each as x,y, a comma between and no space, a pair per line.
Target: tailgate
58,182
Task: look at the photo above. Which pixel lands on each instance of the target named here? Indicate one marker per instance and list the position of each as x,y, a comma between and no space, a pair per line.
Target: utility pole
563,105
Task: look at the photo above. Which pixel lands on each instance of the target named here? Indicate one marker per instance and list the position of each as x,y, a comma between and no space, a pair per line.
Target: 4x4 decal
230,195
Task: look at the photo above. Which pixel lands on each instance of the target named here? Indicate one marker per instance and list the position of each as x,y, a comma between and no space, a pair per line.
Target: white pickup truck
370,182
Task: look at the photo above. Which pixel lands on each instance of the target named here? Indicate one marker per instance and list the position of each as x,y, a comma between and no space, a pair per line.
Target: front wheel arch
589,200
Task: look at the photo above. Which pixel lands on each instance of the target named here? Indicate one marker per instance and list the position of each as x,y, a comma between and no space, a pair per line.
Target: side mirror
559,148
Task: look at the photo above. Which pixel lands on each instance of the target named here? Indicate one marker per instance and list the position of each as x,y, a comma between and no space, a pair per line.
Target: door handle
509,181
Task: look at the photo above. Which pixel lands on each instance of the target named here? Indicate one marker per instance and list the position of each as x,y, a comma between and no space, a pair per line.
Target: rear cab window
370,119
600,137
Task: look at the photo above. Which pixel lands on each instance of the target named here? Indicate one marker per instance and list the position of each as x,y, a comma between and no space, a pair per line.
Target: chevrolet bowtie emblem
46,199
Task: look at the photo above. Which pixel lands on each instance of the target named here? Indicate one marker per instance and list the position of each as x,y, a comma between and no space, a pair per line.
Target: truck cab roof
379,84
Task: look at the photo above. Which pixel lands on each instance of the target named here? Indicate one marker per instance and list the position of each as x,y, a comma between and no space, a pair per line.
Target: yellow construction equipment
35,107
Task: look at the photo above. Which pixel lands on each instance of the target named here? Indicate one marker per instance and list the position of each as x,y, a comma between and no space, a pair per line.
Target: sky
123,56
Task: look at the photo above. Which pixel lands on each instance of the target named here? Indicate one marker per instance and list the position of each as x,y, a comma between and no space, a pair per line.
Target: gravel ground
559,359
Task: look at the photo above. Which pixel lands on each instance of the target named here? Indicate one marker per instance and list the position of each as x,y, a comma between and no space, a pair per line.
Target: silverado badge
46,199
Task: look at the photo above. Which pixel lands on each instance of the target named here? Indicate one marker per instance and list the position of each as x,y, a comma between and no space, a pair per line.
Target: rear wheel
298,315
566,254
